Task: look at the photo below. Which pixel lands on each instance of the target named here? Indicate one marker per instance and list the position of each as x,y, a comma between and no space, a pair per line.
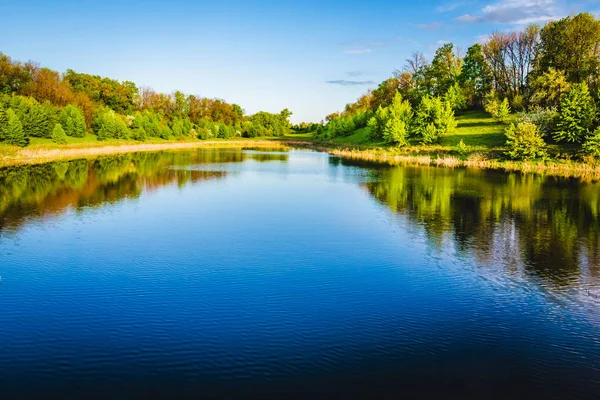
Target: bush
525,141
517,103
496,108
575,115
462,148
544,119
592,144
58,134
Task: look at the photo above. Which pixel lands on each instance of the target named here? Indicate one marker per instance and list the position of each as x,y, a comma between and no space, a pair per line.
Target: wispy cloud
344,82
517,12
468,18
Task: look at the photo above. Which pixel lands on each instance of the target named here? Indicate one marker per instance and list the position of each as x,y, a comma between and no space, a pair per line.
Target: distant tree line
549,75
40,102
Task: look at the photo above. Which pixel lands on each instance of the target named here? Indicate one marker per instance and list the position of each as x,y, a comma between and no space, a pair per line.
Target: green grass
70,140
477,129
359,137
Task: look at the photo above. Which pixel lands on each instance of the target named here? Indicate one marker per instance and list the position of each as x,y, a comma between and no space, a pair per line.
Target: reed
588,170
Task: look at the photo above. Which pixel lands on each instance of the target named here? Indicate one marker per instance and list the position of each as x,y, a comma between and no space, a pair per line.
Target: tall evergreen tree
14,130
58,134
575,115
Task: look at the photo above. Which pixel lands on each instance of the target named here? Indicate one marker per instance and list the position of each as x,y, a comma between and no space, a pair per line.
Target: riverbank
41,153
435,155
588,171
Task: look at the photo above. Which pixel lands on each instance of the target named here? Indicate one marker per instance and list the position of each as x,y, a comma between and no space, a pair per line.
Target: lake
230,273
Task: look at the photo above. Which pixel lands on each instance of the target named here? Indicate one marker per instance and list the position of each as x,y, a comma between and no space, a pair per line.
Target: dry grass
41,154
588,171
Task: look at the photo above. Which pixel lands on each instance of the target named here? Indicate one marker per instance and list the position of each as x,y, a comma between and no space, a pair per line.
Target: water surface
238,273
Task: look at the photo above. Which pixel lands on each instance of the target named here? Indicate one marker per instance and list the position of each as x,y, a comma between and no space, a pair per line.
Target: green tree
475,76
444,70
571,45
592,144
14,130
575,115
397,122
377,123
72,120
434,118
496,108
525,141
456,98
548,88
503,110
58,134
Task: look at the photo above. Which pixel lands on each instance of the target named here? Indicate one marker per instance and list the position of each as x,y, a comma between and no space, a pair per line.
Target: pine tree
503,110
73,121
434,118
592,144
14,130
525,141
575,115
37,122
3,124
397,125
58,134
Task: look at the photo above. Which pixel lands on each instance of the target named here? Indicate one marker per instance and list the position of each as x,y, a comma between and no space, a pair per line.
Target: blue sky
310,56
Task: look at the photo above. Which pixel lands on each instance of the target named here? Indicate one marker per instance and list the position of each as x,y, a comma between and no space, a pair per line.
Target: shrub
575,115
592,144
58,134
496,108
518,103
462,148
525,141
544,119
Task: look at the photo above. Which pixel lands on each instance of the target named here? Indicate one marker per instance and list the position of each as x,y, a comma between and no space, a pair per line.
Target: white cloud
517,12
468,18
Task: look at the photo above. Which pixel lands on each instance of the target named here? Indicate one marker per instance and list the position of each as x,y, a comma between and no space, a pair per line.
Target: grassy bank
482,136
483,147
43,150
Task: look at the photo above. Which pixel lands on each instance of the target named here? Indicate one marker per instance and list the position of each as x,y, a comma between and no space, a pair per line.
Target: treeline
39,102
549,75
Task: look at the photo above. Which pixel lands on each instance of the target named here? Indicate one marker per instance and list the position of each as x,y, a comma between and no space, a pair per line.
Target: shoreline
559,168
39,154
15,156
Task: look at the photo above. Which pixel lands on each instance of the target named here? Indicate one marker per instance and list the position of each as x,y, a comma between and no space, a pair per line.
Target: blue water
230,273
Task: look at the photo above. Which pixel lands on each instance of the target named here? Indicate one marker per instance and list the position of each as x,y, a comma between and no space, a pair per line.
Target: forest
542,84
38,102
